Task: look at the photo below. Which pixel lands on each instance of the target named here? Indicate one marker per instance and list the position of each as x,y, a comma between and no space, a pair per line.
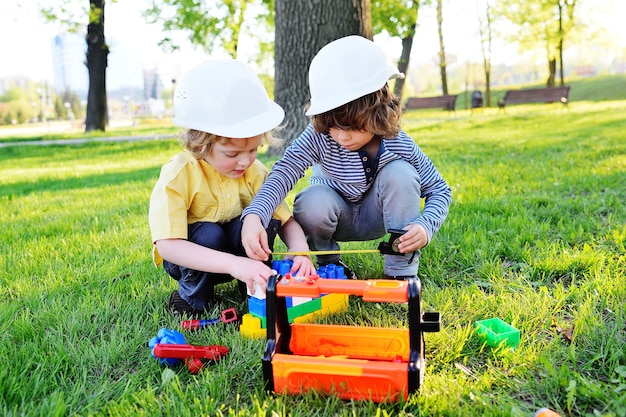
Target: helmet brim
321,105
253,126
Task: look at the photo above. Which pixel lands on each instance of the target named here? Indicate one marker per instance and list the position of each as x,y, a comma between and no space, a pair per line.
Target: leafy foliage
211,25
396,17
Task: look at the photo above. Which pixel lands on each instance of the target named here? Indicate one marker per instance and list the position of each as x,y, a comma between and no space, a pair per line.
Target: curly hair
379,113
199,143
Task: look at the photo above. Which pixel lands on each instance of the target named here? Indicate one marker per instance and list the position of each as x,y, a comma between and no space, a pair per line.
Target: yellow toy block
251,327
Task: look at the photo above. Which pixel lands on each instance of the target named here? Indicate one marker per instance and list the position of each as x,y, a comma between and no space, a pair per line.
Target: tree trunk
561,44
403,63
97,55
486,36
488,87
442,51
561,70
552,71
303,27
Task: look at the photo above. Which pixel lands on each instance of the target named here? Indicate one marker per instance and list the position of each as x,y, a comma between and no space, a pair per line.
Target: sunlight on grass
536,236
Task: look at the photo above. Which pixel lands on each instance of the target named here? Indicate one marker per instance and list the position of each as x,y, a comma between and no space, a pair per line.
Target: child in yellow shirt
197,202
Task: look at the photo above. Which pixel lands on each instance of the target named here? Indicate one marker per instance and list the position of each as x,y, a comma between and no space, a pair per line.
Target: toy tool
170,348
228,316
174,351
381,364
389,247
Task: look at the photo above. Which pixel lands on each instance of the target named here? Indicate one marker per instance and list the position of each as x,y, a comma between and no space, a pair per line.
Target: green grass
536,236
62,130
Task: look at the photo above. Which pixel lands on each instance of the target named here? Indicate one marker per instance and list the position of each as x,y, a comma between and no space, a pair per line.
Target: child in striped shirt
368,176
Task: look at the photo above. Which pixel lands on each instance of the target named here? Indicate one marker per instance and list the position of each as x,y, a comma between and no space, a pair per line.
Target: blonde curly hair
199,143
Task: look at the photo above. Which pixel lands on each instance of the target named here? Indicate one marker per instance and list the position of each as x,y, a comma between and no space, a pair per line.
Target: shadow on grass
24,188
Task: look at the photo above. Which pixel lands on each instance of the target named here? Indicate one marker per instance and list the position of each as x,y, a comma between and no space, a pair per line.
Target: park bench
535,95
445,102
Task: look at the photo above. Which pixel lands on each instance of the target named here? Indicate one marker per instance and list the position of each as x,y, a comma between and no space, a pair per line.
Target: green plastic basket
496,331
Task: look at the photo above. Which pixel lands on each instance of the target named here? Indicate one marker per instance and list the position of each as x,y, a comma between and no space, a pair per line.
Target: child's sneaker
180,306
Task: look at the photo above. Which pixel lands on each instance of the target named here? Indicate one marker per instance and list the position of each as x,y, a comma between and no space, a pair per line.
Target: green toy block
496,331
304,308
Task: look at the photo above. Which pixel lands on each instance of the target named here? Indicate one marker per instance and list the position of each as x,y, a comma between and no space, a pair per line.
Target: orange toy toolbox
375,363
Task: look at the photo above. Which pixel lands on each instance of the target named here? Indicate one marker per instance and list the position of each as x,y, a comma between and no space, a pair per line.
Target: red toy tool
228,316
170,347
192,355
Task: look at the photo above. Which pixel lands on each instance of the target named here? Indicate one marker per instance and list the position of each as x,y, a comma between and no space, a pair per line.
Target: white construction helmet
225,98
346,69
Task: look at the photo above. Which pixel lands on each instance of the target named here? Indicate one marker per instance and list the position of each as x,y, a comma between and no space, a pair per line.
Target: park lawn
147,128
536,236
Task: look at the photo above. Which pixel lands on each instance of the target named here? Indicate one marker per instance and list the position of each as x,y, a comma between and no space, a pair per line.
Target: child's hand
251,272
303,265
254,238
415,238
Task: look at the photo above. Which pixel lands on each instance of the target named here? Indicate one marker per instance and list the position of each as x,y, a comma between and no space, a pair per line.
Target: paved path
84,140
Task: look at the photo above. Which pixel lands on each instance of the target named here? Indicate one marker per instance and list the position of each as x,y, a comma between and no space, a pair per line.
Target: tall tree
96,57
442,49
566,24
399,19
302,29
546,22
217,25
486,35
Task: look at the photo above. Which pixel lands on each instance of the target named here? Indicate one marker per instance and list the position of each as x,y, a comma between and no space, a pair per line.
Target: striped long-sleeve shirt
344,171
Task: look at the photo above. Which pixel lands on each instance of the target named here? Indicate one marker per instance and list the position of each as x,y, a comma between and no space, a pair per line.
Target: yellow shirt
191,190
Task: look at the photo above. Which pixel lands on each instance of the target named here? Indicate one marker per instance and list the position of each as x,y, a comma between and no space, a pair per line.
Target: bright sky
129,37
26,45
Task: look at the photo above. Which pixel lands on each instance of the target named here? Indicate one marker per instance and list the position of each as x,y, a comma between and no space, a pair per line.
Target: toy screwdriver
228,316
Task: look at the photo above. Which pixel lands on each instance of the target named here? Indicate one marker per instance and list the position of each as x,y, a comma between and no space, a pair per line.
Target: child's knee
209,235
398,169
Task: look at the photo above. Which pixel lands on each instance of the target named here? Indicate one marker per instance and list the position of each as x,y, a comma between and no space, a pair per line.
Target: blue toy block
256,306
302,306
167,336
282,267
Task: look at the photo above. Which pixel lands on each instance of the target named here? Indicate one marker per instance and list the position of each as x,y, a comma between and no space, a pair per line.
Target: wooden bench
445,102
535,95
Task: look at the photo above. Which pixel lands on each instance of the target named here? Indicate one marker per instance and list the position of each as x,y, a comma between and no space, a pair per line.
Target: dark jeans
198,287
392,203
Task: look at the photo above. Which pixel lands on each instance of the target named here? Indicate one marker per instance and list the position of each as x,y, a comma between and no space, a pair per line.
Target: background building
69,71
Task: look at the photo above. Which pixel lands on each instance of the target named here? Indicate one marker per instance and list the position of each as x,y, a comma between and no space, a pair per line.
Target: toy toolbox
381,364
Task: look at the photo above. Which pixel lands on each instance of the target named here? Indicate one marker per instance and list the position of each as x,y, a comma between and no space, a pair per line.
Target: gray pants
392,202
